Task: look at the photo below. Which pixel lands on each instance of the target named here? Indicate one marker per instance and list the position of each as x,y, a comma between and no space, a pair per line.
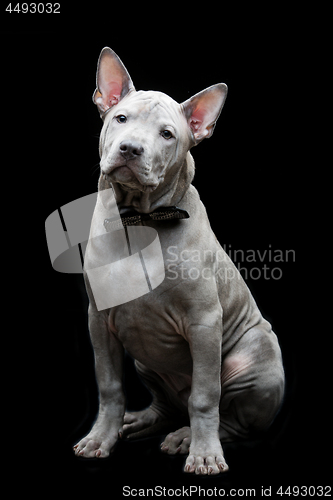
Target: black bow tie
131,218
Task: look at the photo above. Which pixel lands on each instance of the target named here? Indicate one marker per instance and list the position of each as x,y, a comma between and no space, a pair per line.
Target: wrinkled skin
199,340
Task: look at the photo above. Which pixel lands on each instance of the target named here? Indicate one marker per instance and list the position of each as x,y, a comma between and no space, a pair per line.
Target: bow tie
131,218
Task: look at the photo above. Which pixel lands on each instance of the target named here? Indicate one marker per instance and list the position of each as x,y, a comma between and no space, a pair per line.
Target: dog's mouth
129,179
124,172
120,173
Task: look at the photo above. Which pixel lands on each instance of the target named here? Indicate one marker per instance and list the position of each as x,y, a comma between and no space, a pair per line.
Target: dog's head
145,135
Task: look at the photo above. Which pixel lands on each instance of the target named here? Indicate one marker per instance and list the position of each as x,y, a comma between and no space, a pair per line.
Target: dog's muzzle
130,150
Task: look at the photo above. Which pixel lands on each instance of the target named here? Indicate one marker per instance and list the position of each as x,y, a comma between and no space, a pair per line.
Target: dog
198,339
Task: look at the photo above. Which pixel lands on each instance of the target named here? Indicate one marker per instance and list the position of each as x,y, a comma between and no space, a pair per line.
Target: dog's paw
93,446
135,422
205,460
177,442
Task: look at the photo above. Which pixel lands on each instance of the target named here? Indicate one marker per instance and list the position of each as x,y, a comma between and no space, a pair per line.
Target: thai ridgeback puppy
199,341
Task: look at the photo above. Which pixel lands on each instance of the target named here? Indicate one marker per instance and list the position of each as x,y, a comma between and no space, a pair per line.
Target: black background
245,175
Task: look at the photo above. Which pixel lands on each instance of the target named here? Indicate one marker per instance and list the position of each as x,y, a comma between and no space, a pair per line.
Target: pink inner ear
197,119
114,100
113,92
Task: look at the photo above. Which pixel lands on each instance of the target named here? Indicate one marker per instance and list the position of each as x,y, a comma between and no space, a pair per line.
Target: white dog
199,340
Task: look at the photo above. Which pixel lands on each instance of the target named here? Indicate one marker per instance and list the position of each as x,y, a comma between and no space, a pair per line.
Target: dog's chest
150,335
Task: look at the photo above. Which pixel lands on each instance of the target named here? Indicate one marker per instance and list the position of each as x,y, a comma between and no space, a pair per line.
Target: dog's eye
166,134
121,118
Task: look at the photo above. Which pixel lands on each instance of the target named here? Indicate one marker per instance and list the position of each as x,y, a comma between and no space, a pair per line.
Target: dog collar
132,218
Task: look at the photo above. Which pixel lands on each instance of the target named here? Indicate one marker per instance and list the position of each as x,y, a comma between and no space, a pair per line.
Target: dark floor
267,463
284,456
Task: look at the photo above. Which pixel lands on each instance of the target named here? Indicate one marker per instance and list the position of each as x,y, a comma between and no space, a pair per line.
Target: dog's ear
203,109
112,80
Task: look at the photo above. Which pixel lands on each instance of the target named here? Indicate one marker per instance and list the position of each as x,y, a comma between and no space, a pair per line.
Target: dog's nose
130,149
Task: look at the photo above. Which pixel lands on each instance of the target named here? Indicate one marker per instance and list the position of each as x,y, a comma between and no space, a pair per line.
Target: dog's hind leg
158,416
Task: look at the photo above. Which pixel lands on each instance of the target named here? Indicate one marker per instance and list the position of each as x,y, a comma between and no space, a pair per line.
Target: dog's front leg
109,355
205,454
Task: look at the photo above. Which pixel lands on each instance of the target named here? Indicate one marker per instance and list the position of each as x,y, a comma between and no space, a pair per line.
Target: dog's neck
169,193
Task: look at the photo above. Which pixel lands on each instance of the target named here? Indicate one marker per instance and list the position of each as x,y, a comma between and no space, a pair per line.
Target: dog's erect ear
112,80
203,110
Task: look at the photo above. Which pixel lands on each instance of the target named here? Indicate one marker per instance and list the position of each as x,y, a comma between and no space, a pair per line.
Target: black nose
130,149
